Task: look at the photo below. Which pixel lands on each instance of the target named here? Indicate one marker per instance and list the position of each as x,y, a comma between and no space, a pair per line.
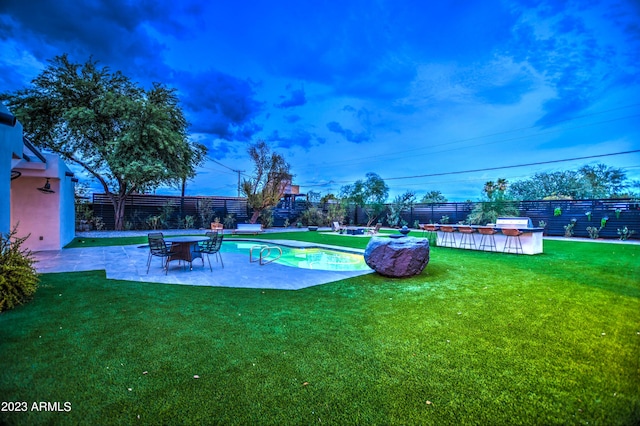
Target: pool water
307,258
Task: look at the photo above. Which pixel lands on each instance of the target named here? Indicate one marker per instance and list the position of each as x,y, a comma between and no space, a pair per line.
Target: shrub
312,216
153,222
18,277
85,219
266,217
205,211
229,221
400,203
188,222
335,213
593,232
625,233
568,229
166,214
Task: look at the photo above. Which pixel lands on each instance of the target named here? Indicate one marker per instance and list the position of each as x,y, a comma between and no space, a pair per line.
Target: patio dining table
186,248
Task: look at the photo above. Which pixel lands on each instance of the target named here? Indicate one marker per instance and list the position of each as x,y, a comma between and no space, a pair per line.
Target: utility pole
238,172
233,170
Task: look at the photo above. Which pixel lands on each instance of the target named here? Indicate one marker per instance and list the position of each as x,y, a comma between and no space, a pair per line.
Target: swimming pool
307,258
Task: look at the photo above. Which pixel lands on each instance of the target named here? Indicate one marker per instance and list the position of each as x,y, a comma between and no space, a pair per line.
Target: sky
431,96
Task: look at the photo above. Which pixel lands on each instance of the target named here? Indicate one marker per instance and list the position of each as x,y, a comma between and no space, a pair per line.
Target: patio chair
158,248
336,227
212,246
373,231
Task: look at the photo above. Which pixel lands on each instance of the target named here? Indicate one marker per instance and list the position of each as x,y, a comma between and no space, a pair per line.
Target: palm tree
489,187
502,185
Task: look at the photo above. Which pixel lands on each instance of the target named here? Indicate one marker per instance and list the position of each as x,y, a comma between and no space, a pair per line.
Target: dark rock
402,257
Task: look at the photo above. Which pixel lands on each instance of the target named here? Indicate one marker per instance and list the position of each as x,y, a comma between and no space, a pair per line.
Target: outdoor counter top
497,228
529,241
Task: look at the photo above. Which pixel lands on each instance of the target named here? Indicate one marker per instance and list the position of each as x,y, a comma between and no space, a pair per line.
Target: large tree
127,138
370,194
562,184
603,181
271,175
598,181
433,197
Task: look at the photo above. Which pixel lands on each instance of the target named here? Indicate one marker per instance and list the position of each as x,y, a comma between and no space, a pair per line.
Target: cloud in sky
349,135
296,98
219,104
346,88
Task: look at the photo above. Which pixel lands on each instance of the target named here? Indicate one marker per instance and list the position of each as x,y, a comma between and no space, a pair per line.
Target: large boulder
400,257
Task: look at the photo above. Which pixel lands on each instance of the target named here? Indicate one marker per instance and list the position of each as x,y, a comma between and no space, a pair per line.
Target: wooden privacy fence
172,210
620,213
556,214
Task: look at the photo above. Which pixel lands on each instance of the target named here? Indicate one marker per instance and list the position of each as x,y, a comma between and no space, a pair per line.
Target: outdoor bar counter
530,238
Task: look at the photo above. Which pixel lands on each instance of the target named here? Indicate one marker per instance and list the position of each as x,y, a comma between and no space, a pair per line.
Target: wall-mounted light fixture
15,174
7,119
46,189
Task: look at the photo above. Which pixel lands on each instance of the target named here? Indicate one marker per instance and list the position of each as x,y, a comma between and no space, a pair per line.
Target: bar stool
488,239
467,240
431,231
512,241
448,236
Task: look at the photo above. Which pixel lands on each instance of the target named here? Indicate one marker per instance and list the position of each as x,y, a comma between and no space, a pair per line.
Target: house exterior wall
10,151
36,213
67,206
49,218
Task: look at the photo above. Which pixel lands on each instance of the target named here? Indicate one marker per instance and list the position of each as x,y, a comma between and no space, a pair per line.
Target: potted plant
557,211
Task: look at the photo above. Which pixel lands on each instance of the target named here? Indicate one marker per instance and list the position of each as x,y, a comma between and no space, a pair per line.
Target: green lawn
478,338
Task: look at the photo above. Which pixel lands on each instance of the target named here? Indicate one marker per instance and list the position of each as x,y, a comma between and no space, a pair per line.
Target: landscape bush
18,278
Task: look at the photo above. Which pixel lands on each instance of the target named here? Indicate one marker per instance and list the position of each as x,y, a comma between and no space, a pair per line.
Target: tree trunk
184,186
255,216
118,210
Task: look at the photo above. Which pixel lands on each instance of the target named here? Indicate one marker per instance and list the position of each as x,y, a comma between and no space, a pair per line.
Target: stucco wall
10,151
67,206
49,218
36,213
